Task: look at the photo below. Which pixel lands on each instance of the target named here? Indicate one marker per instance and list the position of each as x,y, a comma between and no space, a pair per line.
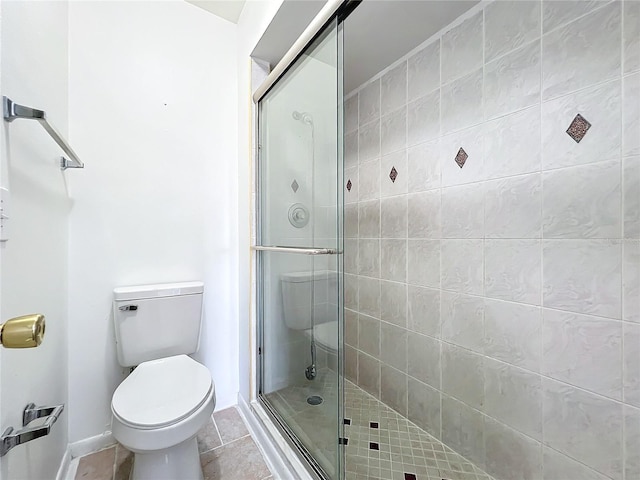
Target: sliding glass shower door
299,252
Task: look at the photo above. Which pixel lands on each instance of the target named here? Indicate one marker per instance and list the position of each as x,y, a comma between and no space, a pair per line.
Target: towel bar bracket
12,110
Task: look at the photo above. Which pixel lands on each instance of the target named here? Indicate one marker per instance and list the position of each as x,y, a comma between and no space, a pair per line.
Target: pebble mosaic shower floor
380,443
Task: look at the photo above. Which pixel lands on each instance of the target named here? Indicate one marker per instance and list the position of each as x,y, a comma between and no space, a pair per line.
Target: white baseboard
64,465
81,448
91,444
282,461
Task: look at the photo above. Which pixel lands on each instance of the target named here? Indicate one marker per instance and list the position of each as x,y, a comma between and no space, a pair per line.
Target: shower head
304,117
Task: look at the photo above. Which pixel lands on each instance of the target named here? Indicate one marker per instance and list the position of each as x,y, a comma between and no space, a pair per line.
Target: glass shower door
299,253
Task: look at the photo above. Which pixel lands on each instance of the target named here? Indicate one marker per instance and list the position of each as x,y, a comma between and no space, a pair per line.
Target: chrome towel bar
299,250
12,110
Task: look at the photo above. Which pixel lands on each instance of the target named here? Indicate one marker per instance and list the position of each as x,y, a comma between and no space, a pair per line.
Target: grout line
541,235
215,424
623,432
228,443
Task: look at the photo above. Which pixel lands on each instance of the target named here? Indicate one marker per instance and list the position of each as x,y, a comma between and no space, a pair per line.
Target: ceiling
379,32
376,34
227,9
285,28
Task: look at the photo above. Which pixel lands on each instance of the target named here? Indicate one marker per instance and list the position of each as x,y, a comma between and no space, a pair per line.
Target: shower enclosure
299,253
491,252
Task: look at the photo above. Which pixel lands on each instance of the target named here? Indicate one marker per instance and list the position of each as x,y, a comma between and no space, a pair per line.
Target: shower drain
314,400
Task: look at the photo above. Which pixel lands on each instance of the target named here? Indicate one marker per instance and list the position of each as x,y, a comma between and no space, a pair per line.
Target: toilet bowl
157,412
160,407
325,335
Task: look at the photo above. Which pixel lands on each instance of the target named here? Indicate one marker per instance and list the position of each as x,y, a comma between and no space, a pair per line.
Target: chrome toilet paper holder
12,439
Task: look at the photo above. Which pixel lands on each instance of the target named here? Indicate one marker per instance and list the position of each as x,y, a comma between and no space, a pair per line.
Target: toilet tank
157,321
297,288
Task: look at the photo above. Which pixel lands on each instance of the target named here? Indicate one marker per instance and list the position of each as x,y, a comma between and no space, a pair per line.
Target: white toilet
169,397
297,291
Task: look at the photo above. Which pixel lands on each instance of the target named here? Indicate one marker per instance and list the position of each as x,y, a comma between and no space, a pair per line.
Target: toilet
160,407
297,288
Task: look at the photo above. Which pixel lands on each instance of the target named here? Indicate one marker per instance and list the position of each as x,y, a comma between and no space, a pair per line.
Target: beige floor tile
208,437
235,460
230,425
124,463
238,460
97,466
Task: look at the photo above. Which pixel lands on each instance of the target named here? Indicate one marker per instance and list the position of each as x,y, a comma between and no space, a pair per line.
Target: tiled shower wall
492,249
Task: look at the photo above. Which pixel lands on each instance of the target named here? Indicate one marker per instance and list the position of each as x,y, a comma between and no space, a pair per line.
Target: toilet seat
162,392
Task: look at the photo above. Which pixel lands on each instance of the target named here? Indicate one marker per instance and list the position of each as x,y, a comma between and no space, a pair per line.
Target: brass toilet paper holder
26,331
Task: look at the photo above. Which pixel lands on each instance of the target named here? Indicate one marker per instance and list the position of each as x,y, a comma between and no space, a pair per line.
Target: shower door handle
298,250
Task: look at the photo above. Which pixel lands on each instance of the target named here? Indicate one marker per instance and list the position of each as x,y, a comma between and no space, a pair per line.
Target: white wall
154,115
34,54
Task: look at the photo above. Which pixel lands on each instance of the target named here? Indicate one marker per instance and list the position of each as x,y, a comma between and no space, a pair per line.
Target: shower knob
298,215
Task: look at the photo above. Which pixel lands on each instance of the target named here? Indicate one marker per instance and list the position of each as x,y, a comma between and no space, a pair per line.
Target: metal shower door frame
341,11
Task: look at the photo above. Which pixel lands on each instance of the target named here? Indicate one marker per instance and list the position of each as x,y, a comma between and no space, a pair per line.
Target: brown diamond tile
461,157
349,184
393,174
295,186
578,128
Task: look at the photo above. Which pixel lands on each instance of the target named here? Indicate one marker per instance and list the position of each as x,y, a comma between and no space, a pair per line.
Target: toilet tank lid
157,290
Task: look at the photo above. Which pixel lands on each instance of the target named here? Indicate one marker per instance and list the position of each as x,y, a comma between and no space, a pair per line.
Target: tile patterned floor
227,452
383,445
380,443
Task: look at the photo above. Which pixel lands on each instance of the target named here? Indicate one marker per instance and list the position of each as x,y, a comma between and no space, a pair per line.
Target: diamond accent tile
393,174
578,128
295,186
373,425
461,157
347,421
349,185
410,476
374,446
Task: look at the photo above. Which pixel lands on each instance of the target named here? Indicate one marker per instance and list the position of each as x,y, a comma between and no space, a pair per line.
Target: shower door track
292,440
333,8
